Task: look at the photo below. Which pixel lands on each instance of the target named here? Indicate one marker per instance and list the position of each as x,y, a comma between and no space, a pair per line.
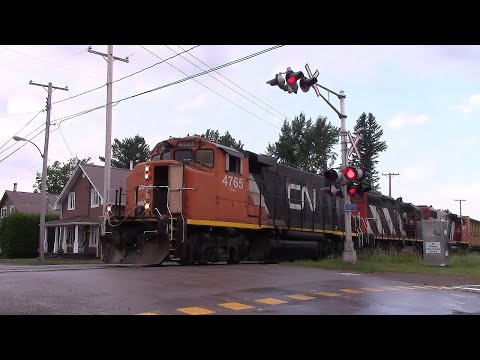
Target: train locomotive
196,201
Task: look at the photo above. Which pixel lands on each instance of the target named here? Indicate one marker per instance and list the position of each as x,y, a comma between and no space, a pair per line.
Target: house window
71,201
94,198
3,212
12,209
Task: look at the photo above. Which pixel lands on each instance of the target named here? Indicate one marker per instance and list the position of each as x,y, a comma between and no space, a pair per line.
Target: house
25,202
81,203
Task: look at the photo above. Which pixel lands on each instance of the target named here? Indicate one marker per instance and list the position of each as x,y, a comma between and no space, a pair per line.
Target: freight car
470,237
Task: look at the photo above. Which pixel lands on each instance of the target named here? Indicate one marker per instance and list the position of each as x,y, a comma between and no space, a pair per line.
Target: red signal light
291,80
352,191
350,173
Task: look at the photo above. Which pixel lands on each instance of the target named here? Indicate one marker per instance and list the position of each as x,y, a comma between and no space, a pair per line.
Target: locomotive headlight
147,172
109,207
147,206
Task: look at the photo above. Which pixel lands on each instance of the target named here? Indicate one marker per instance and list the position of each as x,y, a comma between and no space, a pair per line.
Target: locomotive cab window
183,155
233,164
163,156
204,157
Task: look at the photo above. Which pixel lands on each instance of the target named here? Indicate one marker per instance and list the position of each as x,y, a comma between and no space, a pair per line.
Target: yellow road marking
147,313
327,293
404,287
236,306
391,288
271,301
370,289
351,291
195,310
301,297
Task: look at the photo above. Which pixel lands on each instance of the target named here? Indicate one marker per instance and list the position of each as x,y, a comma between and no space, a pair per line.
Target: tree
128,149
369,147
226,139
58,174
305,144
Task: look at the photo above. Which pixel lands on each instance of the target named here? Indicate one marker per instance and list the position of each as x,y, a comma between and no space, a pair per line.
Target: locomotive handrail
157,186
181,209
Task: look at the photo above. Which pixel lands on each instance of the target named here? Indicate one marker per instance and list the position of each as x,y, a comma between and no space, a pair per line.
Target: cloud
468,105
402,119
196,103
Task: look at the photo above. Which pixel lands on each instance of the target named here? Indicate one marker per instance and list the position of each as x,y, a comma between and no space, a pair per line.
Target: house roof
94,173
29,202
74,220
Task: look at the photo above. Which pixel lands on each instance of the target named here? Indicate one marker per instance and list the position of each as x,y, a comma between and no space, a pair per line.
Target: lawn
52,261
461,264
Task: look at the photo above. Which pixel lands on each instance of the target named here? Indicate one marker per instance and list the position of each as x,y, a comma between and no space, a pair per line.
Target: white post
45,243
65,246
75,244
55,244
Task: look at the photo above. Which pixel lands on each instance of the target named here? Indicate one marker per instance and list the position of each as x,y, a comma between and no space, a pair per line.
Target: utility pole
43,202
390,182
108,132
460,201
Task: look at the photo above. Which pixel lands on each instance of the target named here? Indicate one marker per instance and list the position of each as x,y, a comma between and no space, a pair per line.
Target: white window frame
71,201
12,209
94,195
3,212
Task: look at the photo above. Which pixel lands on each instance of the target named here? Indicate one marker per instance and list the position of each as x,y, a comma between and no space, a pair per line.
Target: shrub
19,234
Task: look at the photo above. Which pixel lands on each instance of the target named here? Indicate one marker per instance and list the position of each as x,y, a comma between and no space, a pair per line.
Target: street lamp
43,200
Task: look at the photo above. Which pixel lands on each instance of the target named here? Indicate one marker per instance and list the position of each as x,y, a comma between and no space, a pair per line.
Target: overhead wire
122,78
116,102
258,117
232,83
24,126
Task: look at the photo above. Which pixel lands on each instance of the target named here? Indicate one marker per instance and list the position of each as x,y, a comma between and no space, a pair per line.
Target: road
252,289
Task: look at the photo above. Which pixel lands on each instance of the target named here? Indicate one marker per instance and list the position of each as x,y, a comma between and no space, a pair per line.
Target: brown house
81,204
25,202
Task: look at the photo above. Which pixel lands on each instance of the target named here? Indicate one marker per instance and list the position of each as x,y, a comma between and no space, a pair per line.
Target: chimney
131,164
14,186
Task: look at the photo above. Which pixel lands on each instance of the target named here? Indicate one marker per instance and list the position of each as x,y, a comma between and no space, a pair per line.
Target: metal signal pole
460,201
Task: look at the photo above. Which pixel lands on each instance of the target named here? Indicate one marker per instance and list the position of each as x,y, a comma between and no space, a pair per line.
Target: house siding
82,199
7,203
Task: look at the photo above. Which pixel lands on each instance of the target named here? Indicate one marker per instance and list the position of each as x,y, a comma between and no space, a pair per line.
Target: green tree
58,174
128,149
369,146
306,144
225,139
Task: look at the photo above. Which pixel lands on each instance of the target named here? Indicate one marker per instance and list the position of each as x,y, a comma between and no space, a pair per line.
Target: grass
52,261
461,264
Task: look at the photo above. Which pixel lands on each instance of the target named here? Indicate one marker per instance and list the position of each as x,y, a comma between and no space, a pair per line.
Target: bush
19,234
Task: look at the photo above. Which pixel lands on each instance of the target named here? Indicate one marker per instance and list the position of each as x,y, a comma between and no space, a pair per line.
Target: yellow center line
236,306
327,293
194,310
301,297
351,291
148,313
370,289
271,301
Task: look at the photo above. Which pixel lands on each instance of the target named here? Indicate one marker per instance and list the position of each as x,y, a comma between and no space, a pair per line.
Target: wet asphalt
250,289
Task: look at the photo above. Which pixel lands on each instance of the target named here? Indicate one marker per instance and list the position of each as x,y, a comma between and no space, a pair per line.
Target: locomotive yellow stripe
255,226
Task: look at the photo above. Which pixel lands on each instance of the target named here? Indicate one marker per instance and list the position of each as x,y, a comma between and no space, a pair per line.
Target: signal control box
435,242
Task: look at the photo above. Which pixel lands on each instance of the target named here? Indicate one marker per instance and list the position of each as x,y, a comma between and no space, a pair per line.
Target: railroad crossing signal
354,138
278,81
295,78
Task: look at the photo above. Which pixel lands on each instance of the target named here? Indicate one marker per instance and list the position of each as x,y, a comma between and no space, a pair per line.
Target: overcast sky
425,98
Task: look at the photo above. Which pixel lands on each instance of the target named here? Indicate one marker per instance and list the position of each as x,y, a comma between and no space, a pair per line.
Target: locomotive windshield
204,157
182,155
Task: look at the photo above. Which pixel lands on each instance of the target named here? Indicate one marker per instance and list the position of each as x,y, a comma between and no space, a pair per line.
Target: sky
425,98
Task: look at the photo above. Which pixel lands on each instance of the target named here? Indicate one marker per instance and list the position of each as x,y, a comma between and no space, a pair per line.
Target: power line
116,102
258,117
231,82
25,113
24,126
48,62
125,77
61,133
